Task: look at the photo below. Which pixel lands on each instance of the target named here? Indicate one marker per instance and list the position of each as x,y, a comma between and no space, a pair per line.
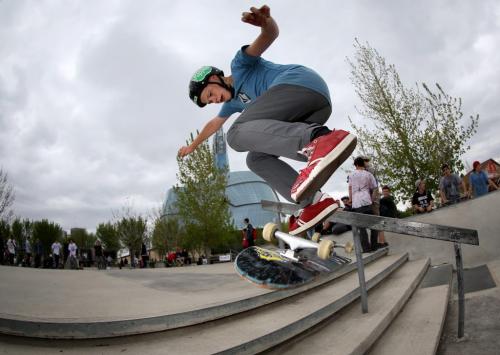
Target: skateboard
286,268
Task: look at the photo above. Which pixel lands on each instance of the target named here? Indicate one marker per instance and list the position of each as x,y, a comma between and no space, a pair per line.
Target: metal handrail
455,235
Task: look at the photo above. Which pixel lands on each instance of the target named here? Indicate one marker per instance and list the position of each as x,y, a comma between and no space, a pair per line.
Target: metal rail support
460,284
361,268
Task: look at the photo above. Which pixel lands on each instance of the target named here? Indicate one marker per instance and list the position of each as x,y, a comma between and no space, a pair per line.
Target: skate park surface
92,296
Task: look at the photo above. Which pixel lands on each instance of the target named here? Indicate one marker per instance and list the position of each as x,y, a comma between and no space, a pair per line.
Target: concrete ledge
417,330
105,329
351,331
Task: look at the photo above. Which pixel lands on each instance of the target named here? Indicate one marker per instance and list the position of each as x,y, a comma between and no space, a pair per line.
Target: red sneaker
325,154
312,214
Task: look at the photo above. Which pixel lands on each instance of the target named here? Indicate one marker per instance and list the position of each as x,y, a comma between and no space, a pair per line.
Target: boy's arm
210,128
269,29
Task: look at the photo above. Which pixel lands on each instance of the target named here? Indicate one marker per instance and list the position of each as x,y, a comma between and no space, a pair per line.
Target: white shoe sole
319,217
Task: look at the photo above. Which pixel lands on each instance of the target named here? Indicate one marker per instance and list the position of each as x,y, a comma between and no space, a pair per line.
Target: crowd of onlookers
364,197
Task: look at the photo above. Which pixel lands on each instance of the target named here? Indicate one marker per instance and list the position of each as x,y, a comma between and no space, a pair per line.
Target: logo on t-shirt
244,98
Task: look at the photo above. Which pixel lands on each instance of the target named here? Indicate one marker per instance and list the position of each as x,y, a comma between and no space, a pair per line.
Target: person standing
449,186
27,251
11,248
387,209
361,185
56,252
72,249
479,182
38,253
249,232
99,257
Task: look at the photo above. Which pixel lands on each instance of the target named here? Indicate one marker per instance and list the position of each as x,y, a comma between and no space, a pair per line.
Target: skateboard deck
270,269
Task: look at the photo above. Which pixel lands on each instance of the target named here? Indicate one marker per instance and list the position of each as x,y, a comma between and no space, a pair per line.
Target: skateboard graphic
300,264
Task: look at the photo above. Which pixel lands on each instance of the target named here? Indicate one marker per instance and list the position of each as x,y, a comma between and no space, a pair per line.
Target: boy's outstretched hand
257,17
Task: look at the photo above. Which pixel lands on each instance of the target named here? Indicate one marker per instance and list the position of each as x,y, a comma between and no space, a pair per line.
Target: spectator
27,251
11,248
2,249
249,232
144,256
422,200
375,192
72,249
56,250
361,185
99,256
387,209
38,253
479,182
185,256
449,186
338,228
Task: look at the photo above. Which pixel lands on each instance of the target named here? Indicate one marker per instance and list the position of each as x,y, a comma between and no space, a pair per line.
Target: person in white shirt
11,248
56,252
361,185
72,248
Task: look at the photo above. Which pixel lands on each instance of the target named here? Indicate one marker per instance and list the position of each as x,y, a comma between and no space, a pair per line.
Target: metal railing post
460,284
361,268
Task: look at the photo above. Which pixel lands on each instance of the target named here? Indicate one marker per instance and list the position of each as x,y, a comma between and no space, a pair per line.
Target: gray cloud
93,95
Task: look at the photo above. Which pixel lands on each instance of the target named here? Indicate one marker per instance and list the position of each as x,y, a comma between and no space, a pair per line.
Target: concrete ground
482,323
89,295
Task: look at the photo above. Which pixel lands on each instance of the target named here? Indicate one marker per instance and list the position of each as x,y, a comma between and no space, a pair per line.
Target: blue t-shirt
252,76
479,182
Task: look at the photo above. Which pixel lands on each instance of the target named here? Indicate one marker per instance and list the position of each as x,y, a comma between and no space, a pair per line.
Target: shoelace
307,151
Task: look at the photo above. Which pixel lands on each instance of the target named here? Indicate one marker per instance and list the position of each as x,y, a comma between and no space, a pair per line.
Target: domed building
244,191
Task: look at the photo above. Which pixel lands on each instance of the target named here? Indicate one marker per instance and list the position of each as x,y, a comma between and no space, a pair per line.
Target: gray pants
278,123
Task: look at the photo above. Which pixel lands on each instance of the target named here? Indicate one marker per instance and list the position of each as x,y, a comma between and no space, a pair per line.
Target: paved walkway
92,295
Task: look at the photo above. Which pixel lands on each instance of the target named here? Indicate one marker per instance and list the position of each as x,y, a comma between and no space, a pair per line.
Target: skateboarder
284,109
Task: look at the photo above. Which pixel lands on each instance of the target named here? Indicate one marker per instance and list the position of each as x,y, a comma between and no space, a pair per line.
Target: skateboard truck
324,247
348,247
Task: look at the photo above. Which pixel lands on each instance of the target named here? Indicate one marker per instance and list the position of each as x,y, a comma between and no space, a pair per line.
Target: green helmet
199,81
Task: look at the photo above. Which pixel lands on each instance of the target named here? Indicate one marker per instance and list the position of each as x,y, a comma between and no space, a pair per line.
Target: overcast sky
93,94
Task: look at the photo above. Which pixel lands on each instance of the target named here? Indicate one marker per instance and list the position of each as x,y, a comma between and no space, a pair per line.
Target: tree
108,235
6,196
412,133
166,234
47,232
82,238
132,233
201,200
17,229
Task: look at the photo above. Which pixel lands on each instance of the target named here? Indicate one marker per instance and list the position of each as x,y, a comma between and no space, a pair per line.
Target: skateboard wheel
268,232
349,247
325,249
315,237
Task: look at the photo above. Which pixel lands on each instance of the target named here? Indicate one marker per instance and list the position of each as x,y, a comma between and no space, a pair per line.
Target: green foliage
167,234
82,238
47,232
7,197
131,232
17,231
4,230
108,235
201,201
412,133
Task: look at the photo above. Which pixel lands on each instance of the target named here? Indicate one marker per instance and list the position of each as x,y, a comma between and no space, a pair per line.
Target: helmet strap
224,85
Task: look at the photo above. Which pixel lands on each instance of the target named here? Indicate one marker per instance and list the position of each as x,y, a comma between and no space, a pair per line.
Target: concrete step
198,304
352,332
245,333
417,329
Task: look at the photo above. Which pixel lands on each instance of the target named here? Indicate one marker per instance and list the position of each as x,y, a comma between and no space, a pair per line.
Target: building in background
244,190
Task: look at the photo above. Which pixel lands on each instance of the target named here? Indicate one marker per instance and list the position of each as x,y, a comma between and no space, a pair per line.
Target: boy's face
214,94
386,192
